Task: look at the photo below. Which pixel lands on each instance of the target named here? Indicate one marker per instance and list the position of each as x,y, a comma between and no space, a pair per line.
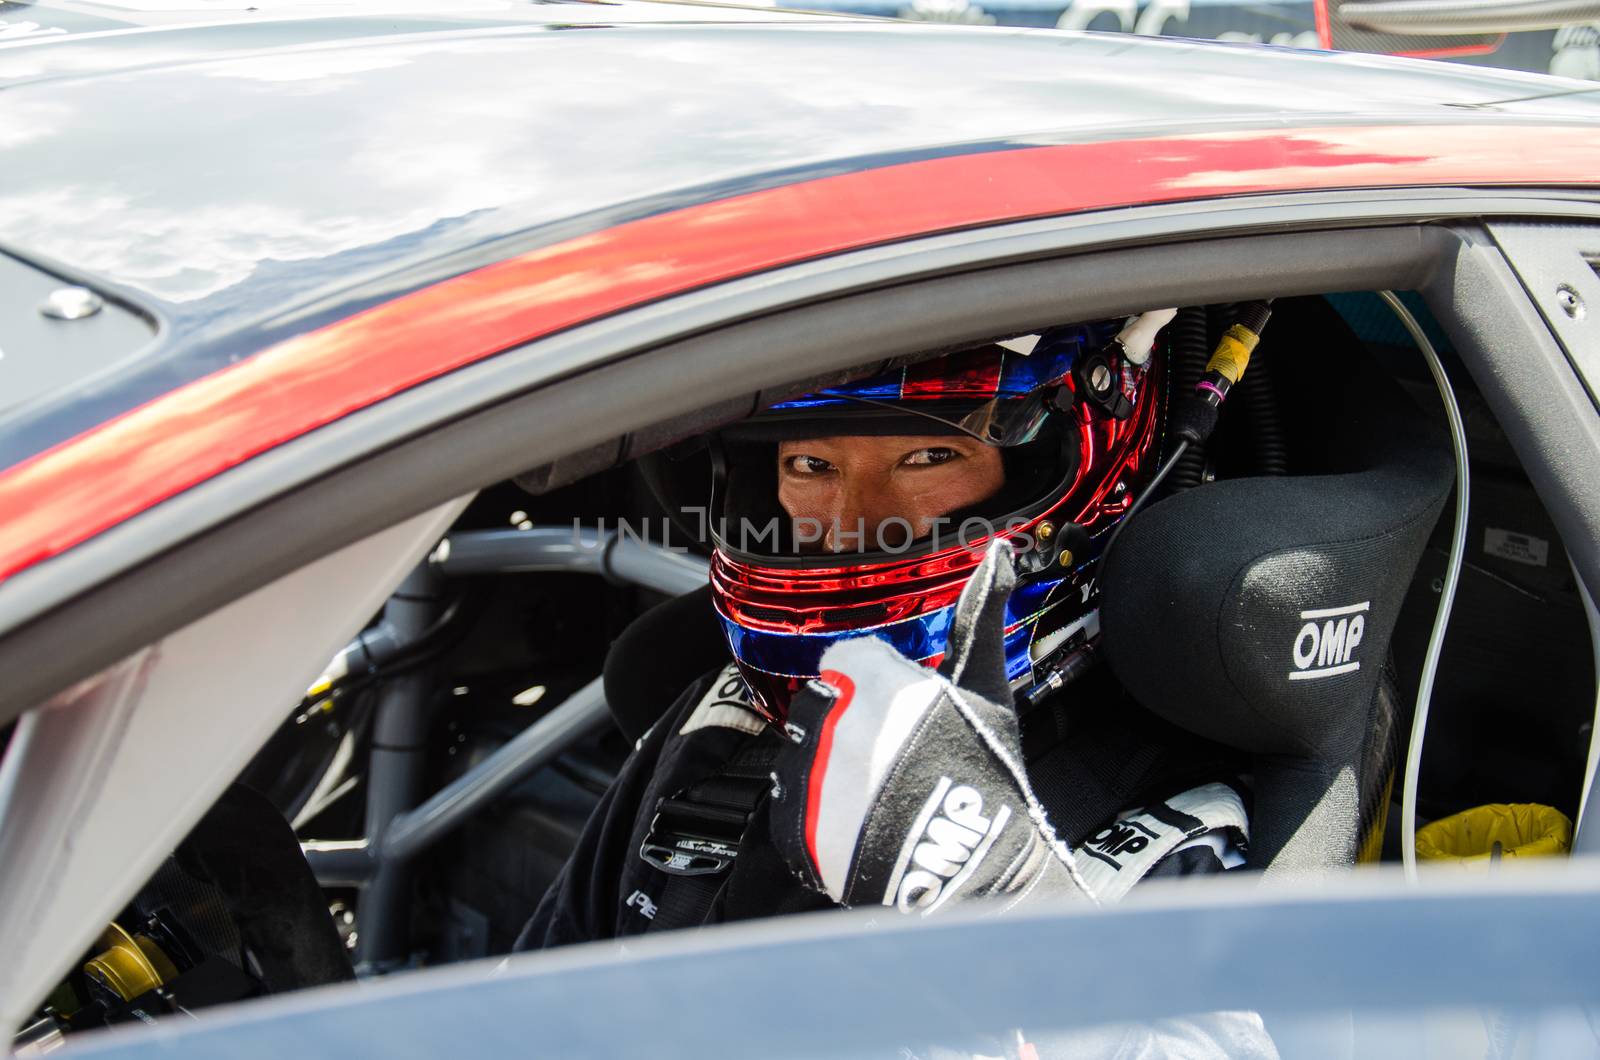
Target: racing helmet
1078,425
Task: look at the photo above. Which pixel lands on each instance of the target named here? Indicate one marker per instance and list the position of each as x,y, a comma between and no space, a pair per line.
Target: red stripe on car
95,481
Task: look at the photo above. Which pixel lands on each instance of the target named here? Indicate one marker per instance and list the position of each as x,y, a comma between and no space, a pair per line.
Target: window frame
728,346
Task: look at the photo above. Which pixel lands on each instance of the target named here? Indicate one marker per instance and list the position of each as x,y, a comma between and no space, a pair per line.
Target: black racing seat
658,655
1254,613
1257,613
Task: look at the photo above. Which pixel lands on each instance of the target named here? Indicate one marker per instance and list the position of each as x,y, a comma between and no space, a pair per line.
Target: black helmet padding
1258,613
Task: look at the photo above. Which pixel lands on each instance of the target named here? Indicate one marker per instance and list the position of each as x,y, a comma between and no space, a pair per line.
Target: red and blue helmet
1073,458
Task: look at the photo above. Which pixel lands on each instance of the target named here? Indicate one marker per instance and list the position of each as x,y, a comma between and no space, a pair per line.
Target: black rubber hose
1255,391
1260,400
1218,318
1190,350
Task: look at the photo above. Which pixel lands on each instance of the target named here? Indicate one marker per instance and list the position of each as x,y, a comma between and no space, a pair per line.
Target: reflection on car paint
1572,51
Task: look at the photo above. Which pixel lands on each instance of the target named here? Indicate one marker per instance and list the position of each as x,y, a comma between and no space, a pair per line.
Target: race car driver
904,572
922,541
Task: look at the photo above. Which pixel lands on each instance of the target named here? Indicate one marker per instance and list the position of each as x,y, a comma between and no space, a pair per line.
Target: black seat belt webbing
696,834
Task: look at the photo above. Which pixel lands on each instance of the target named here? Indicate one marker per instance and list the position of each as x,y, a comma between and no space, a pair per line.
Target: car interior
536,603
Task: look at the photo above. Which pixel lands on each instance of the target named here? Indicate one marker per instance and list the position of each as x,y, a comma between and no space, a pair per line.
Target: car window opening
553,632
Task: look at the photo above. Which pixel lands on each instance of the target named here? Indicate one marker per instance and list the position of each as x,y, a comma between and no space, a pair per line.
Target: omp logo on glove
946,843
1120,838
1327,640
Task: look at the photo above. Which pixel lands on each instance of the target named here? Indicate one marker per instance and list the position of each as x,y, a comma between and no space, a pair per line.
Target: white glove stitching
1035,810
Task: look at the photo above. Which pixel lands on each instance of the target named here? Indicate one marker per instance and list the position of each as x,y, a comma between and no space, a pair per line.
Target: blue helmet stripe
917,638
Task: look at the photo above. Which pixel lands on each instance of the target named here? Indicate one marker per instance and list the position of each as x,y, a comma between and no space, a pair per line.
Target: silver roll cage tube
402,819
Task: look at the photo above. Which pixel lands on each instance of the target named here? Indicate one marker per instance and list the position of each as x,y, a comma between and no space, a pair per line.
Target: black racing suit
1085,767
608,890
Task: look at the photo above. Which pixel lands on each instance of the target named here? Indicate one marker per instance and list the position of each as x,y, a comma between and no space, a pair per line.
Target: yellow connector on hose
1232,355
1196,417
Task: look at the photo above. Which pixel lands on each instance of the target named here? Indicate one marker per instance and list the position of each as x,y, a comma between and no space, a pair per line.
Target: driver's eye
808,465
937,454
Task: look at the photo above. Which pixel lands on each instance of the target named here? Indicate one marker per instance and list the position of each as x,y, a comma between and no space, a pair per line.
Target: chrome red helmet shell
780,613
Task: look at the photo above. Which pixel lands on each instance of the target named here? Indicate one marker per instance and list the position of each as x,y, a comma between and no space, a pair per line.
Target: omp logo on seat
1327,640
949,838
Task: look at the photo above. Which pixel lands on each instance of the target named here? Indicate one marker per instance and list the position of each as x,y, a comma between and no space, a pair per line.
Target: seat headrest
661,653
1257,612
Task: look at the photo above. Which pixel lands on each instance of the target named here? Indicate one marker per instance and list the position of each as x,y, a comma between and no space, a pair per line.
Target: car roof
243,184
217,171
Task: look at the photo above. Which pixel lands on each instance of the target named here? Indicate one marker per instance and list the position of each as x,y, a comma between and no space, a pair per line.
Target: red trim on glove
846,689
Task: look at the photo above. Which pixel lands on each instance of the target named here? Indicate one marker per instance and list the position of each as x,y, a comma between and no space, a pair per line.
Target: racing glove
904,786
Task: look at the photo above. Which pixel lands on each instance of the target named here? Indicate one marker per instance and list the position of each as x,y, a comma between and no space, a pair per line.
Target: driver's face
848,482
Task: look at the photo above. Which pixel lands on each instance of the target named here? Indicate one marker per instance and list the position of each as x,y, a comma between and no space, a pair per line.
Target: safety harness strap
696,834
686,901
